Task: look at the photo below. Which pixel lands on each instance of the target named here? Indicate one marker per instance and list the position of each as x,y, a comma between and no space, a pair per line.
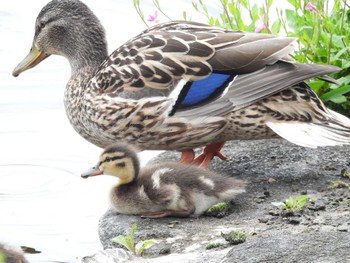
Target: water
44,203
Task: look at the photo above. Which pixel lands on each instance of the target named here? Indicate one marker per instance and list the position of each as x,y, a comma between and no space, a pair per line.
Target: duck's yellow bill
31,60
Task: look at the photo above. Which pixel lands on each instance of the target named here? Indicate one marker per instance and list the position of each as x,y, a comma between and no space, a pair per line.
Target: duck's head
67,28
117,160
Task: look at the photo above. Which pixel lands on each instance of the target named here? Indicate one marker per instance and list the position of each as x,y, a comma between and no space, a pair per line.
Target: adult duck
181,85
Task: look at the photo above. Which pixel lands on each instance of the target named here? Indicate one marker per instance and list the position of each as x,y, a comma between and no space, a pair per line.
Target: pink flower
154,18
259,26
310,7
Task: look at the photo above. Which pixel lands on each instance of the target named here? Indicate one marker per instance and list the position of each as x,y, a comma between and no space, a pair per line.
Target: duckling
163,189
10,255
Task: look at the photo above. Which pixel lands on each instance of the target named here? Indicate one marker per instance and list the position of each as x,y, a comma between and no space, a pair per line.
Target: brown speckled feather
167,52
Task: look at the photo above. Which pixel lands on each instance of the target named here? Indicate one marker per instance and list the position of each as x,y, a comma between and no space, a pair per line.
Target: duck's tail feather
334,131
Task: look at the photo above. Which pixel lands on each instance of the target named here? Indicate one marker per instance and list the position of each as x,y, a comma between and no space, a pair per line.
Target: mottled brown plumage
162,189
181,85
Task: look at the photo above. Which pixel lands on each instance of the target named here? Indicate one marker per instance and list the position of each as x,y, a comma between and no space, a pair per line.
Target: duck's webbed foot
209,152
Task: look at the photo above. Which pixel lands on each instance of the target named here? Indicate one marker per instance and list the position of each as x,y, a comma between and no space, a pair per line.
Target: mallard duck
162,189
181,85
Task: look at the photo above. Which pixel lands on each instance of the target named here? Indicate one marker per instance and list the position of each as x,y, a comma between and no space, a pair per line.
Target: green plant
345,173
338,184
213,245
129,242
218,208
2,257
321,28
235,237
292,205
323,37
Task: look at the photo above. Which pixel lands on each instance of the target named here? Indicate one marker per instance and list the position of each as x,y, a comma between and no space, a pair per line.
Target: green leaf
316,85
339,100
231,8
341,52
293,2
255,12
244,3
276,27
345,79
125,241
184,15
333,94
211,21
132,230
291,18
141,246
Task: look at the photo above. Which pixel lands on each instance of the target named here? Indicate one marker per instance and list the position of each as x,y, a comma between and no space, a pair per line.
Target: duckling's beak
92,172
31,60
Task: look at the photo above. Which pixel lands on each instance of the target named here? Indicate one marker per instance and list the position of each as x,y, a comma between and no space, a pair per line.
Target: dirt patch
275,170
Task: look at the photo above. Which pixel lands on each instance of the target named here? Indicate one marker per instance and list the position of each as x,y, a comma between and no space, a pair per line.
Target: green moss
218,208
293,205
338,184
213,245
235,237
345,173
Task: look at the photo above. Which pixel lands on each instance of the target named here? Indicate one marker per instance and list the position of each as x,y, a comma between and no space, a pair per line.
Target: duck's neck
88,56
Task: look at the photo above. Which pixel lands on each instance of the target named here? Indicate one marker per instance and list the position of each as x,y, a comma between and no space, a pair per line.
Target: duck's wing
163,55
246,89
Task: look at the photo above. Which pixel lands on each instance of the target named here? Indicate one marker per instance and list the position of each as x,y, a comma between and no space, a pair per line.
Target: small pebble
320,204
267,193
271,180
294,220
274,212
343,228
263,220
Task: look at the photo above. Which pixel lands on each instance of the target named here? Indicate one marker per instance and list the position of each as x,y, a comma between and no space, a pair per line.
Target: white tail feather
334,132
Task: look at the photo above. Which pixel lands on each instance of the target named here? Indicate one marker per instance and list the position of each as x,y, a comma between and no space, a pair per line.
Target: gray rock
272,166
302,247
116,255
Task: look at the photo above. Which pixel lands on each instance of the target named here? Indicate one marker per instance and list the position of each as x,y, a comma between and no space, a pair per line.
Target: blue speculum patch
204,89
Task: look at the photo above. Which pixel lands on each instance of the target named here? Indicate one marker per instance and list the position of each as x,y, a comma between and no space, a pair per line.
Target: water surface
44,203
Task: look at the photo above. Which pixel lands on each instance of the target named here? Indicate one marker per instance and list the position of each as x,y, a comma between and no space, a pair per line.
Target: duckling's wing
161,56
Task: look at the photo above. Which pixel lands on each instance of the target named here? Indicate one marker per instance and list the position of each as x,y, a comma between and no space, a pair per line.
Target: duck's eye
121,164
41,25
108,159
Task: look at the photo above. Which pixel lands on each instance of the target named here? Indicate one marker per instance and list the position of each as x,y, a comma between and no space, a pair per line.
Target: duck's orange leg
187,156
209,152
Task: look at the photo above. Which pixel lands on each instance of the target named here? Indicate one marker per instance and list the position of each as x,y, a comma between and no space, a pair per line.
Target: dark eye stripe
110,159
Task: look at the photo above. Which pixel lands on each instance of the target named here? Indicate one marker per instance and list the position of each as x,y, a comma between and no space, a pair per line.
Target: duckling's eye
108,159
121,164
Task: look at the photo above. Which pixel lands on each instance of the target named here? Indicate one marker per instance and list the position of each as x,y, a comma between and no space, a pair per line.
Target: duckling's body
181,85
163,189
11,255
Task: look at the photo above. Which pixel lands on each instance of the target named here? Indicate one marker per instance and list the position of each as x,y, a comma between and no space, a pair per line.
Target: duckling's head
118,160
67,28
